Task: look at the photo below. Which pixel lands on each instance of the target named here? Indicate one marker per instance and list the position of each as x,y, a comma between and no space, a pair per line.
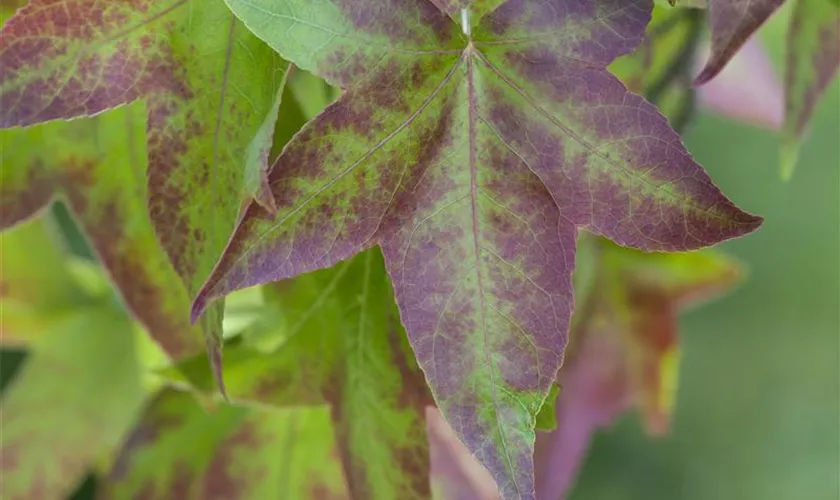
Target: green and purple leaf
181,450
732,23
813,56
98,167
210,87
74,400
624,351
472,160
334,337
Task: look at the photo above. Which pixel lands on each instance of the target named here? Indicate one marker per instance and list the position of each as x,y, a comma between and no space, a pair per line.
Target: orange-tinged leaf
624,351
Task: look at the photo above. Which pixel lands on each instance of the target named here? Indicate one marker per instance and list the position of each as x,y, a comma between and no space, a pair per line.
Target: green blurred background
758,411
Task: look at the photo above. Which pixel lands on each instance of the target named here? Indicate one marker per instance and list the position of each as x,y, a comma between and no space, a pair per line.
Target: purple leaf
472,160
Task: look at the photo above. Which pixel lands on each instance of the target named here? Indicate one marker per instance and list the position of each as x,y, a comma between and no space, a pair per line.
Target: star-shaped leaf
211,89
732,23
472,160
181,450
333,337
813,56
624,351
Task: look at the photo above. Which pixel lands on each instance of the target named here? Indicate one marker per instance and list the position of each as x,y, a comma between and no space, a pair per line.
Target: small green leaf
547,417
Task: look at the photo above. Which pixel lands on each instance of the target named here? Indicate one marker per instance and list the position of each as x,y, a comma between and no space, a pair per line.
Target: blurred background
758,409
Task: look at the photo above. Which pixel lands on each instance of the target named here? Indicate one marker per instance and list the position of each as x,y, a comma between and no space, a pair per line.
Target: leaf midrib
472,112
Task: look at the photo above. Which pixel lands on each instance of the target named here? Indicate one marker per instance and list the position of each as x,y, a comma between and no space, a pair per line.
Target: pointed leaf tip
732,23
464,168
214,356
788,158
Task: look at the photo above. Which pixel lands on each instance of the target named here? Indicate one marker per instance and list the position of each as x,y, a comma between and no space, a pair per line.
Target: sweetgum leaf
472,161
813,56
180,450
624,352
210,87
732,23
341,343
98,167
74,399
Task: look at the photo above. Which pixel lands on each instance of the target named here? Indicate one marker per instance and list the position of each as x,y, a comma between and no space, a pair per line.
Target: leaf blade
732,23
813,57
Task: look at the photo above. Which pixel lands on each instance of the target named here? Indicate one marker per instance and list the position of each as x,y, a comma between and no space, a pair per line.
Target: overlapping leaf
472,160
74,399
209,84
334,337
813,56
660,68
624,351
732,23
97,165
180,450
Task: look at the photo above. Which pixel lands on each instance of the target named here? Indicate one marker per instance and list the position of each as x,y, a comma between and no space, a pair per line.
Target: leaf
547,417
256,166
732,23
209,86
813,56
624,351
74,399
456,475
179,450
660,68
341,343
34,281
97,165
472,162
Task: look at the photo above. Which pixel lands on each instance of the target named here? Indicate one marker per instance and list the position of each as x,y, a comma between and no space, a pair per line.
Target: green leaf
70,405
35,283
210,87
312,93
97,166
472,157
181,450
813,56
547,417
334,337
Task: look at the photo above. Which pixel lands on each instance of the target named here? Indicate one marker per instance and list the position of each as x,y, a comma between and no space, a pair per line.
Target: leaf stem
465,21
